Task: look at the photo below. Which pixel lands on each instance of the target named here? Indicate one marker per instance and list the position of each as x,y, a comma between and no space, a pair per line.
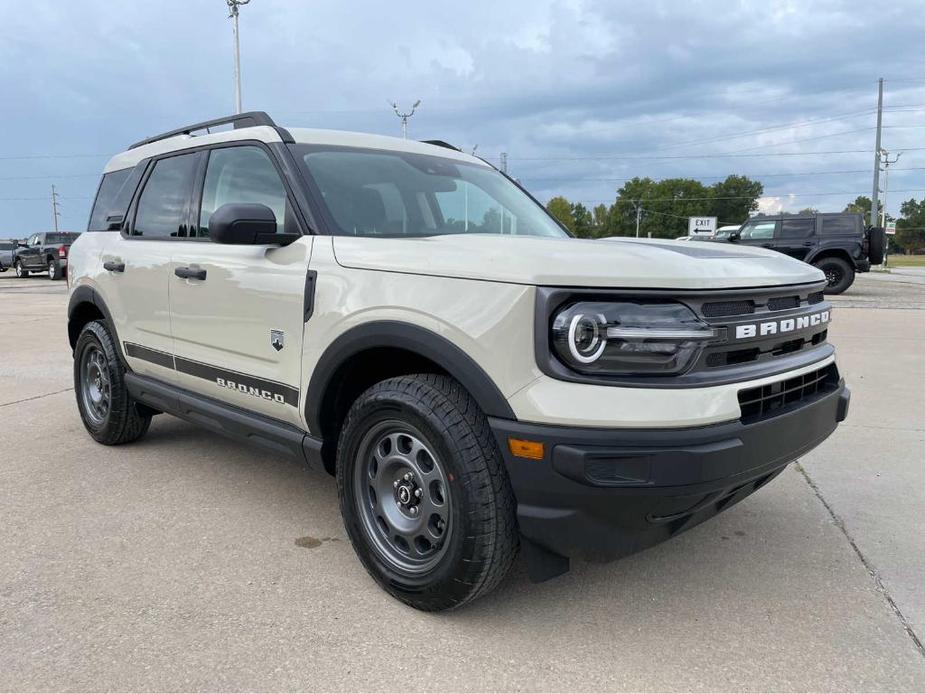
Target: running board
228,420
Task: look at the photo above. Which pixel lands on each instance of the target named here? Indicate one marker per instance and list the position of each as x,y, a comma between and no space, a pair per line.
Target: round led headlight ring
586,341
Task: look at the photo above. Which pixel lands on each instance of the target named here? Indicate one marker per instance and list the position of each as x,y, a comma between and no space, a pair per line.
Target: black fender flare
829,251
88,295
412,338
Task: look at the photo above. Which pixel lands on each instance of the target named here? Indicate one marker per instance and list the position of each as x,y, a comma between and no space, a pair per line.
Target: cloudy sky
580,93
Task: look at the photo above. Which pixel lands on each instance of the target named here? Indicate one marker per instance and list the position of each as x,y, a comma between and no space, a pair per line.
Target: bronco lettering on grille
785,325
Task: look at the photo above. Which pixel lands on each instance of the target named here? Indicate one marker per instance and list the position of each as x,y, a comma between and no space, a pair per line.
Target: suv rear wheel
20,270
423,492
838,274
108,412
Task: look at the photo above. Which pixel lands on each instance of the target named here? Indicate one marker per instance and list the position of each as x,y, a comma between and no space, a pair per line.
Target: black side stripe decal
147,354
233,380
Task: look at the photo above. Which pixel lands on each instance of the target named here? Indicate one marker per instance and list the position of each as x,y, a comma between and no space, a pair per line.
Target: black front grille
715,309
815,298
762,402
781,303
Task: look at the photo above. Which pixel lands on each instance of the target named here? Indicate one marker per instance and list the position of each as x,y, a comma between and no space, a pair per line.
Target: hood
616,262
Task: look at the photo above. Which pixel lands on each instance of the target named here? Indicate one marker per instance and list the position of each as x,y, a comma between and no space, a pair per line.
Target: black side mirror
735,236
246,224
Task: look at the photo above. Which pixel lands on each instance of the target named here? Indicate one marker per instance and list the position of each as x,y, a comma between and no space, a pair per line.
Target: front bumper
602,494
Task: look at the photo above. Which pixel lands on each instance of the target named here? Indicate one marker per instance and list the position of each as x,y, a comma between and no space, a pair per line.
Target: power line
624,157
749,197
721,177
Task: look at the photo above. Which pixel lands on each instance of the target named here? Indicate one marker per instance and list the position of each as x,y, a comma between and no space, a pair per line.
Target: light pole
233,6
55,206
886,189
404,116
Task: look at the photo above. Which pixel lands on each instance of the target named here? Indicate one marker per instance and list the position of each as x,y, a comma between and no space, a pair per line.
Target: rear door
238,328
794,236
134,283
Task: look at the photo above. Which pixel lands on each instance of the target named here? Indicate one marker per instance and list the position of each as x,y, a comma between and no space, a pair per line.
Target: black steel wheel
423,491
839,274
108,412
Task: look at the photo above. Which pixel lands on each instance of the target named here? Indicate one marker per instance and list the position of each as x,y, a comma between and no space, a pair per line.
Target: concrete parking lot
188,562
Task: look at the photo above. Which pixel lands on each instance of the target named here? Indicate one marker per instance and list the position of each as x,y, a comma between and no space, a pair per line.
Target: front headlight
621,338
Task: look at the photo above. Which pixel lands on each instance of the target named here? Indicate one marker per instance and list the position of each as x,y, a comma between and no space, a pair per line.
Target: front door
30,257
237,323
758,232
134,281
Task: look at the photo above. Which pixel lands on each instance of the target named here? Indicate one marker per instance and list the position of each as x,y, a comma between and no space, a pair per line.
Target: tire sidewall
20,270
54,271
444,577
843,267
96,334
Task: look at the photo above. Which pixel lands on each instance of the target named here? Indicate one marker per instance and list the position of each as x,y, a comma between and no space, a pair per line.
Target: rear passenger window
797,228
242,175
112,198
839,225
163,206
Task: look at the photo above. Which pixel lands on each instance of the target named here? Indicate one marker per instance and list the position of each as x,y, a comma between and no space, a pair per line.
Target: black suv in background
46,252
838,243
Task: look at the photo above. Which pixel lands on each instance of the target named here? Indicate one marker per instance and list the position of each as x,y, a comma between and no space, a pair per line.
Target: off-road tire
20,270
482,542
839,274
123,422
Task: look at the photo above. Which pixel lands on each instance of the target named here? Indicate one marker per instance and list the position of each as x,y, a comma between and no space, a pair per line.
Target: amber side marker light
532,450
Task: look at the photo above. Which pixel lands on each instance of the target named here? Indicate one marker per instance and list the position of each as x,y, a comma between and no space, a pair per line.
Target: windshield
383,193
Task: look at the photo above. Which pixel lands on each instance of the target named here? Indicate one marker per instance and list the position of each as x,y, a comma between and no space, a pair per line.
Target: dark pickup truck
45,252
837,243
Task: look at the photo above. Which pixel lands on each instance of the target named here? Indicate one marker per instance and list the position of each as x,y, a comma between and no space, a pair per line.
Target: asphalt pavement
189,562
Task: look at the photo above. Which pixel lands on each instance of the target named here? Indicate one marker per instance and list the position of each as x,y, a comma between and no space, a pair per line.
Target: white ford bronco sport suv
407,318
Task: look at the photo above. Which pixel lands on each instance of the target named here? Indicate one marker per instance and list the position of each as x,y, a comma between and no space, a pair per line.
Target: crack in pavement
878,582
35,397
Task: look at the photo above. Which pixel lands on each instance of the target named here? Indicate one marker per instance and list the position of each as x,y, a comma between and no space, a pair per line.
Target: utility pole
875,196
638,215
504,162
233,6
54,206
404,116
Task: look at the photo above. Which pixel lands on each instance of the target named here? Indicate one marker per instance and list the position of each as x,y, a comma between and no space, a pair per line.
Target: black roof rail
441,143
239,120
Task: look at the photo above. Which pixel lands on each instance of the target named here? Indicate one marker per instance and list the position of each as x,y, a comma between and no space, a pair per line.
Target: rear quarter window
840,225
112,198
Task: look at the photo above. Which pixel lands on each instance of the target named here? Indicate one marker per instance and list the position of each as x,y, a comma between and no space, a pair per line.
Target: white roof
265,133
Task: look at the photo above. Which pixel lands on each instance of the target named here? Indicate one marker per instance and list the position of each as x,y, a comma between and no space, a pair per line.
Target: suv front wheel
423,492
108,412
839,274
20,270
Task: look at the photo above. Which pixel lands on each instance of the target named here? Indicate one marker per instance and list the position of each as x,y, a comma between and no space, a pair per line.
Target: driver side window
759,230
242,175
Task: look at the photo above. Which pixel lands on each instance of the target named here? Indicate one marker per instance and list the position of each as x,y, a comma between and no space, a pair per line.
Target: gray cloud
552,82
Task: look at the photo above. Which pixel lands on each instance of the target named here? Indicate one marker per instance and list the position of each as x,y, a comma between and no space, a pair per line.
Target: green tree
863,204
584,222
910,227
734,198
600,220
808,210
561,209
